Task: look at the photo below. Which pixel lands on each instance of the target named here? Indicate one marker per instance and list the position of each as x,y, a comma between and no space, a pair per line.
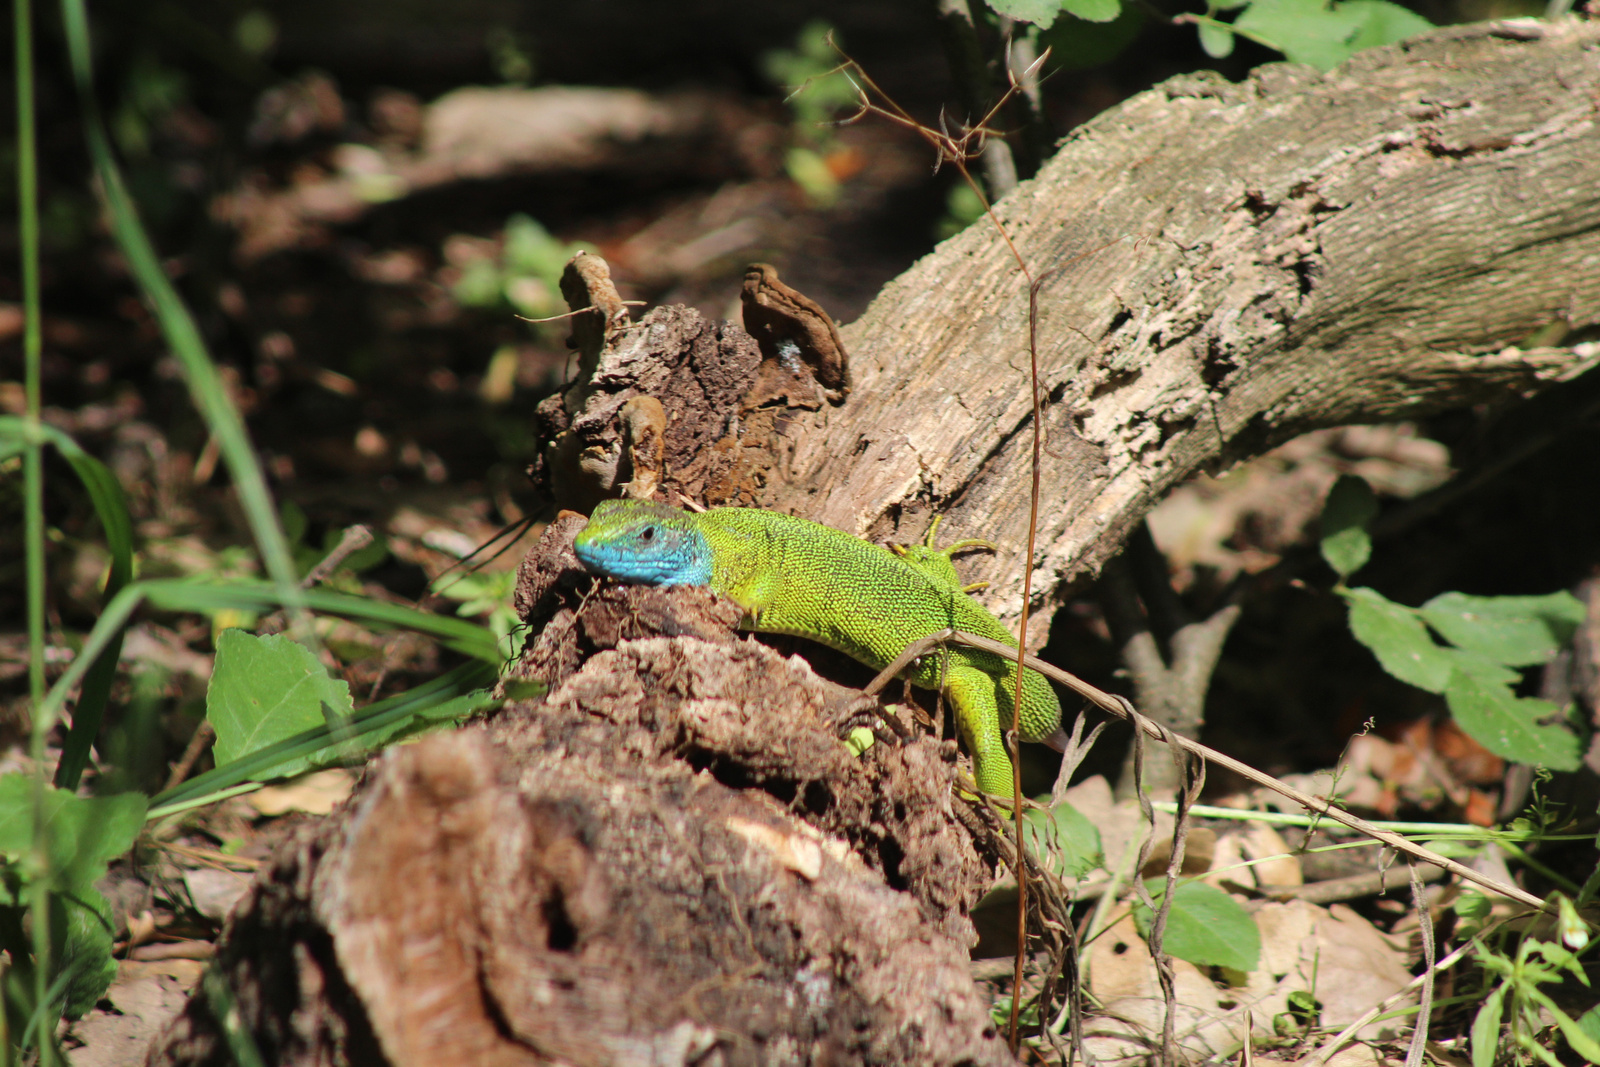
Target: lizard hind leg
973,694
1041,708
939,563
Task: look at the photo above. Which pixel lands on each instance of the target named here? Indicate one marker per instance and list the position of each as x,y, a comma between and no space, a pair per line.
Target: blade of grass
105,492
205,385
33,507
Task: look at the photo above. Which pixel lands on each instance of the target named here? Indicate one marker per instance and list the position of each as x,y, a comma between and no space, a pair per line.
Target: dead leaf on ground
1332,953
143,998
214,891
317,793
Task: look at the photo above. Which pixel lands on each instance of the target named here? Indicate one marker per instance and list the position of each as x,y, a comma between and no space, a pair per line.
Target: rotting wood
561,885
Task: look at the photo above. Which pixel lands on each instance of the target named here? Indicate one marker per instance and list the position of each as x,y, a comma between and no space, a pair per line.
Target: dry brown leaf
316,793
144,998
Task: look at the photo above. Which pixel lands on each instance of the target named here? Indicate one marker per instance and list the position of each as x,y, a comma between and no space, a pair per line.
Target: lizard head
639,541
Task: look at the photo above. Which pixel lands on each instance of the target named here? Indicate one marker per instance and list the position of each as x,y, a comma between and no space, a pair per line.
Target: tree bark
1222,267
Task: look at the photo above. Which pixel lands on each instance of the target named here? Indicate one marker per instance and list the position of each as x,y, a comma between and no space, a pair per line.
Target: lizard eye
647,534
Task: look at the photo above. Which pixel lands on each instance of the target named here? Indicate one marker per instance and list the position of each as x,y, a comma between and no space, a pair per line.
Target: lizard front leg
939,563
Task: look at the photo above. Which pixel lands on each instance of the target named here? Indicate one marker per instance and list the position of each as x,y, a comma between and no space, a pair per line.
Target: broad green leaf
1093,10
1077,44
83,833
1472,904
1482,668
1486,1029
1064,835
1350,509
1384,23
84,952
1589,1023
1039,12
1218,44
1205,926
1399,640
448,698
1581,1041
266,689
1306,31
859,740
1510,727
189,595
1519,631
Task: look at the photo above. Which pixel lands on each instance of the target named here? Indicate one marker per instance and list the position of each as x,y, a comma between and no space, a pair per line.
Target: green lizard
793,576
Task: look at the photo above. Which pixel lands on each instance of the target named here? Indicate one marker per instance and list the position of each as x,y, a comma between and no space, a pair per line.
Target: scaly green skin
793,576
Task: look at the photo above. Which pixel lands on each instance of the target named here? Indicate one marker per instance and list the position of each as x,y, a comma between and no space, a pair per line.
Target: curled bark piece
586,284
792,330
644,425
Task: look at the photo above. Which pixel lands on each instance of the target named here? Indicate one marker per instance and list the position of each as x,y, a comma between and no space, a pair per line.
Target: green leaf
1510,727
82,834
1205,926
1399,640
450,697
84,952
1093,10
266,689
859,740
1472,904
1218,44
188,595
1066,837
1560,958
1384,23
1589,1023
1486,1029
1039,12
1306,31
1519,631
1076,44
1350,508
1482,668
1578,1038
